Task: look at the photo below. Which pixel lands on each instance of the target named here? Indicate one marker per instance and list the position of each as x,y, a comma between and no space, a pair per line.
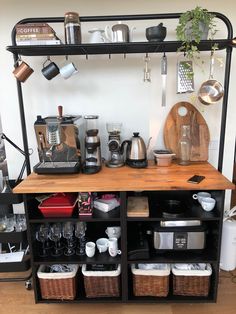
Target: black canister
72,28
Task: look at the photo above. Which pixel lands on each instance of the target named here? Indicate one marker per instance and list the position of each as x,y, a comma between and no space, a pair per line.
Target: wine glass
42,236
68,231
55,236
80,229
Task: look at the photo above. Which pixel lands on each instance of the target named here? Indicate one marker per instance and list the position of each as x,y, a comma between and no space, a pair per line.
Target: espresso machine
114,145
58,143
92,161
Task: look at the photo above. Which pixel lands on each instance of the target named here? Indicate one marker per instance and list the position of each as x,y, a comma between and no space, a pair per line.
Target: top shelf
112,48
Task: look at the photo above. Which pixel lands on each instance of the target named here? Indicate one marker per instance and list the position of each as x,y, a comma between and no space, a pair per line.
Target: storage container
59,286
101,283
151,282
191,282
58,205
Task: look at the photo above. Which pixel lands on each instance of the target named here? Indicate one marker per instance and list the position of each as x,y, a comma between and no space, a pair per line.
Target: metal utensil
211,91
147,71
163,75
185,82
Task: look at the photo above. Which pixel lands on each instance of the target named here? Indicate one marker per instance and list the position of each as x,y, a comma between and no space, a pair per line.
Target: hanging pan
211,91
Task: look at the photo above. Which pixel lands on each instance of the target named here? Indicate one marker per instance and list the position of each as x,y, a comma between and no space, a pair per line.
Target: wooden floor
15,299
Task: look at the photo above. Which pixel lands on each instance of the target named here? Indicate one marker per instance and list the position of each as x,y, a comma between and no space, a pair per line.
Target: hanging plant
195,25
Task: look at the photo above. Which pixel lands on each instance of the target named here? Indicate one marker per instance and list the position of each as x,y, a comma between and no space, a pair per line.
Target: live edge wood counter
125,178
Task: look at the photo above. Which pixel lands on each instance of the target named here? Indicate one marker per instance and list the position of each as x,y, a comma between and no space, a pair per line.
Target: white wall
113,89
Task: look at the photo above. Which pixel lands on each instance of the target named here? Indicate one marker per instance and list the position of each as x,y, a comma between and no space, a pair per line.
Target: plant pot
204,29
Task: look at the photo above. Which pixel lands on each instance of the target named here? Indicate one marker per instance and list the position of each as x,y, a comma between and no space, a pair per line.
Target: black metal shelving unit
214,220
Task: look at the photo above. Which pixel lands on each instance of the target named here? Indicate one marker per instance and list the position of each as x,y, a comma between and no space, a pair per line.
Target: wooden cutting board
137,206
186,113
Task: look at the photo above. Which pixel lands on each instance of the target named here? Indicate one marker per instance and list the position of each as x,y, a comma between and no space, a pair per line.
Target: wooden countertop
125,178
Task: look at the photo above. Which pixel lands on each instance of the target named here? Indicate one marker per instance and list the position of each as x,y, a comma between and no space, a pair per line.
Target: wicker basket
151,282
191,282
60,286
100,284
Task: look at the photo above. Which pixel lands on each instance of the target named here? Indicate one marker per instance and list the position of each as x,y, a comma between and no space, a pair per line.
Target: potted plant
195,25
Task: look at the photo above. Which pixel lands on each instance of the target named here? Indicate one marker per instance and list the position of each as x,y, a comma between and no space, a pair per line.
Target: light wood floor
15,299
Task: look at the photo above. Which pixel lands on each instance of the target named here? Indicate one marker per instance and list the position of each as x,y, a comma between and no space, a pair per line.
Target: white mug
113,247
90,249
96,35
200,195
113,232
208,203
68,70
102,244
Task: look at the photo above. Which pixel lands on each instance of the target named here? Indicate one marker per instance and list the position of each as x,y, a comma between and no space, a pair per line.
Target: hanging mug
22,71
50,70
68,69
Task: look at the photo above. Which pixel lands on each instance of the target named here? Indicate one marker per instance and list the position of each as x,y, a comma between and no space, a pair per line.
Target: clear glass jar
184,145
72,28
6,185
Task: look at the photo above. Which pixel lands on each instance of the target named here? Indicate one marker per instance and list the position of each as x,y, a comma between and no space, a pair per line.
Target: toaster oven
179,237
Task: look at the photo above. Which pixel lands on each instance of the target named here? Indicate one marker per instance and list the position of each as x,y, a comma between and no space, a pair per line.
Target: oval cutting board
186,113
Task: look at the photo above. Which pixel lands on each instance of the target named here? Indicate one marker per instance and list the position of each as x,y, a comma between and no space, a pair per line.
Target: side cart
16,239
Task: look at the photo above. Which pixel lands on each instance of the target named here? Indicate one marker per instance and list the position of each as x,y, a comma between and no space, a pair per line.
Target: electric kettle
136,151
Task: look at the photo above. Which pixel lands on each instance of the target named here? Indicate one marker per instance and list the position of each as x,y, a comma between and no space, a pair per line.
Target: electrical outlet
213,145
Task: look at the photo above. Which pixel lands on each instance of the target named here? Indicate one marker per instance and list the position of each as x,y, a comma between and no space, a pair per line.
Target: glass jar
6,185
72,28
184,145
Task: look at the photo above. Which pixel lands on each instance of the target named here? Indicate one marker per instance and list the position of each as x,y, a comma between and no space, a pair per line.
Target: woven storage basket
151,282
101,283
191,282
60,286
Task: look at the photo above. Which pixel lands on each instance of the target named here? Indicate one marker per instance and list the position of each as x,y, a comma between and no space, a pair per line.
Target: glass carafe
184,145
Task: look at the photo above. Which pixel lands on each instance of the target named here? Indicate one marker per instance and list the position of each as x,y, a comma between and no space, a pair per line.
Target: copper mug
22,71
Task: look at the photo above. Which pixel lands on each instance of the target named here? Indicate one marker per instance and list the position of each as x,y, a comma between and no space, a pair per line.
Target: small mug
68,70
113,247
113,232
208,203
51,70
90,249
22,71
102,244
96,35
200,195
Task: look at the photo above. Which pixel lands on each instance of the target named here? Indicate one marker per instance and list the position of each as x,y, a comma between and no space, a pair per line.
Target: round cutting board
186,113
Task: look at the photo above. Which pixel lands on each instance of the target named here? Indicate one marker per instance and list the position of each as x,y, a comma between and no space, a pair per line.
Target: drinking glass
68,231
20,223
10,222
42,236
55,236
80,229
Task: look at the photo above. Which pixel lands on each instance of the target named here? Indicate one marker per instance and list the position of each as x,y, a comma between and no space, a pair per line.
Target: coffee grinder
92,162
114,145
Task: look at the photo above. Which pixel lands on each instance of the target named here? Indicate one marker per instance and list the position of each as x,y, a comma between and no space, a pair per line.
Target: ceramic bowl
163,158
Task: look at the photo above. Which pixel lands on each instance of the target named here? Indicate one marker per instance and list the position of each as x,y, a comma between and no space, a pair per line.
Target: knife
163,75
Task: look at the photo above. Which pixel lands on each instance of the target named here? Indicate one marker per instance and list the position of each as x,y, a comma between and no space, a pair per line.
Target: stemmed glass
42,236
55,236
68,230
80,229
